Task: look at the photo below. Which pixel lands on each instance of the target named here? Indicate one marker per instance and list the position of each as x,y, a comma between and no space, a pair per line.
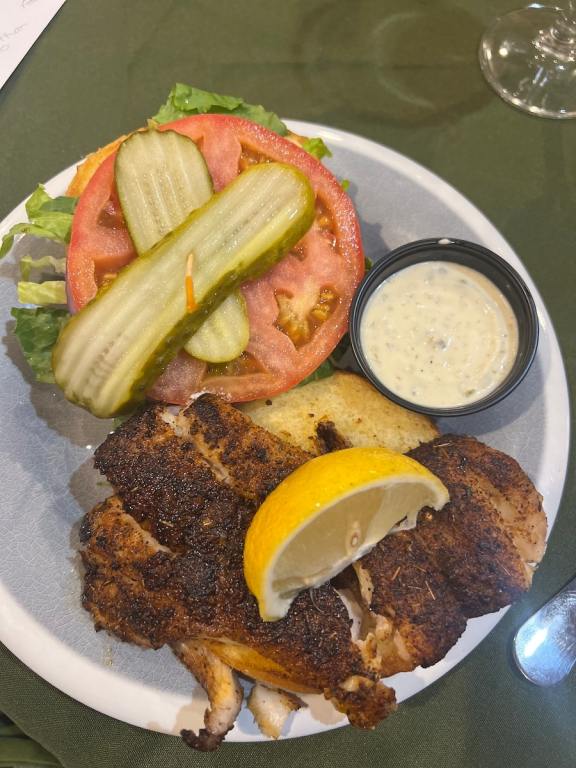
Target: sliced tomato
298,310
99,242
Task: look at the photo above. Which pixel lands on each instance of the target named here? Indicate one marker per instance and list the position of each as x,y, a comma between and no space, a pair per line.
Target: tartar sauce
439,334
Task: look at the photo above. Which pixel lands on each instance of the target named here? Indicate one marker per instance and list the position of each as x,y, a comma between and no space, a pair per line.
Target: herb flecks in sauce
439,334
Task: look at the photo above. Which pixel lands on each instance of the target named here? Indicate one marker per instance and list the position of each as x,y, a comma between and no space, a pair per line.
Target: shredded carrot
189,284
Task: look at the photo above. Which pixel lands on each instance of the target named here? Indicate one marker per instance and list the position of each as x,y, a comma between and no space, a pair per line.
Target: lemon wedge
327,514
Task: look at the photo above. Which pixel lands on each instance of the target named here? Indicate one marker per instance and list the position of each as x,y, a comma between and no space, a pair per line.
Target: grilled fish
163,560
474,556
164,557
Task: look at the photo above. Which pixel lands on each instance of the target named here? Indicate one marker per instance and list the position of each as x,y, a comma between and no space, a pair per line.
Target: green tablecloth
404,74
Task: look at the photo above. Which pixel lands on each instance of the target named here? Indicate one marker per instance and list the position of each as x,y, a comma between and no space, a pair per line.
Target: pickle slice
161,177
224,334
108,353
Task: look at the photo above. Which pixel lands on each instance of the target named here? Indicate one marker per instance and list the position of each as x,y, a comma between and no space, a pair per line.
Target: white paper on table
21,23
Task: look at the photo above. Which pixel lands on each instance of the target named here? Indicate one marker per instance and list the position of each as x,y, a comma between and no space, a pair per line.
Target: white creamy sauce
439,334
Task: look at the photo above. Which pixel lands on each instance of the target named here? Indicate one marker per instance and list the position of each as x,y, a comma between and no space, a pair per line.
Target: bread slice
88,167
359,413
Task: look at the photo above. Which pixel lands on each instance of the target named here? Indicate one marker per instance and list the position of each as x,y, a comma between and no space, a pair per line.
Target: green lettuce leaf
40,202
48,292
316,148
48,263
47,217
340,350
324,370
184,100
37,331
331,363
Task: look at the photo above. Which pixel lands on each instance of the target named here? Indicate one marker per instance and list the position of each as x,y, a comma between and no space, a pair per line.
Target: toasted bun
89,165
86,169
360,414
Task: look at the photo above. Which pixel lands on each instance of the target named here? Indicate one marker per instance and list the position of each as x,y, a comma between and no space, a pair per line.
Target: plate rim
60,665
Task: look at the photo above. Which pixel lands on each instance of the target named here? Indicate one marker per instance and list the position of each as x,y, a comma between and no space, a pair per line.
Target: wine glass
529,57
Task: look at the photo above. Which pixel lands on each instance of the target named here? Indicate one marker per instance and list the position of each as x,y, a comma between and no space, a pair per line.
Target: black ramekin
472,255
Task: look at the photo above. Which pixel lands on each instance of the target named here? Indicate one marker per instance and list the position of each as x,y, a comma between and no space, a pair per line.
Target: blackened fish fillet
474,556
191,483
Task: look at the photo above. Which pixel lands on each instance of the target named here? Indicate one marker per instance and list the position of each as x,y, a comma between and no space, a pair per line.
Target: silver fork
545,645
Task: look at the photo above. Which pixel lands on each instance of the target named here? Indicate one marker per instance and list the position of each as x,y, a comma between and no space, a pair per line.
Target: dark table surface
404,74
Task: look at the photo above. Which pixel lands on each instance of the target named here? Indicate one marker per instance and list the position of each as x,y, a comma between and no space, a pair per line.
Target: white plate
47,478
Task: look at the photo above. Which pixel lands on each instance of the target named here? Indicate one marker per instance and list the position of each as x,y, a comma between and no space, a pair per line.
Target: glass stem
567,22
560,40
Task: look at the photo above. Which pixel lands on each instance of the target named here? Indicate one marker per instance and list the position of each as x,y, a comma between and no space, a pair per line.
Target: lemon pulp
327,514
